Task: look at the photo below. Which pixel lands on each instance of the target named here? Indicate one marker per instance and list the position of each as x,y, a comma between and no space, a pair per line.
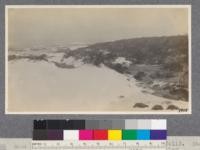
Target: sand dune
42,87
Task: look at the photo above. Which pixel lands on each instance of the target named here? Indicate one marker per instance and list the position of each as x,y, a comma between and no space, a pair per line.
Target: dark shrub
162,74
121,96
180,92
12,57
157,107
37,58
120,68
139,75
63,65
172,107
140,105
98,59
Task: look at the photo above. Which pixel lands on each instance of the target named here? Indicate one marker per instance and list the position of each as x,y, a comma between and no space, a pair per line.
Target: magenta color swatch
85,135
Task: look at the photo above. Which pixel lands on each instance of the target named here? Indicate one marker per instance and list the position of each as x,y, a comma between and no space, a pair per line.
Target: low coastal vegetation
157,63
42,57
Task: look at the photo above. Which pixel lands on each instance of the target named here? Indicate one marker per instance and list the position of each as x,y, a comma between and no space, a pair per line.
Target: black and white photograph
98,59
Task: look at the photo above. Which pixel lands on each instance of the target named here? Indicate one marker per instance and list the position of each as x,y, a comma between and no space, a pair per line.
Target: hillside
158,63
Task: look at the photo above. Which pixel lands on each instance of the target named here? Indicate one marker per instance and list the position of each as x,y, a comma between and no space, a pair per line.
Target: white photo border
189,111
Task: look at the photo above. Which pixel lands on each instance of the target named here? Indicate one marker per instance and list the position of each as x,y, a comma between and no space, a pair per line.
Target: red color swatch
100,134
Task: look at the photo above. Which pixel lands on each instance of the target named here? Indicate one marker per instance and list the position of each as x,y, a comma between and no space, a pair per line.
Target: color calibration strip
100,130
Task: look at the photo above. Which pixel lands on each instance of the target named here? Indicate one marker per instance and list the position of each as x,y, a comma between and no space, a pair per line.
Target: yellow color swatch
114,134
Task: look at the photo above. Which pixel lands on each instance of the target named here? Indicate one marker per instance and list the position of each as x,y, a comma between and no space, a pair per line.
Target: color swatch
143,134
86,135
158,134
129,134
100,134
71,135
114,134
131,129
55,135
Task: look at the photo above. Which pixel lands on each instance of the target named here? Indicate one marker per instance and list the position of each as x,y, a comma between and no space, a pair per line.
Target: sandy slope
41,86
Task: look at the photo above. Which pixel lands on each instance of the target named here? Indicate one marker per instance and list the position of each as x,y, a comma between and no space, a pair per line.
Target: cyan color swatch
143,134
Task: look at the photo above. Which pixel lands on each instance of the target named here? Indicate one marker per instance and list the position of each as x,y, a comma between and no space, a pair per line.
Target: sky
32,27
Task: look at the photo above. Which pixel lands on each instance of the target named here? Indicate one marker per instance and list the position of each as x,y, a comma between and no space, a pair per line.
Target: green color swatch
129,134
